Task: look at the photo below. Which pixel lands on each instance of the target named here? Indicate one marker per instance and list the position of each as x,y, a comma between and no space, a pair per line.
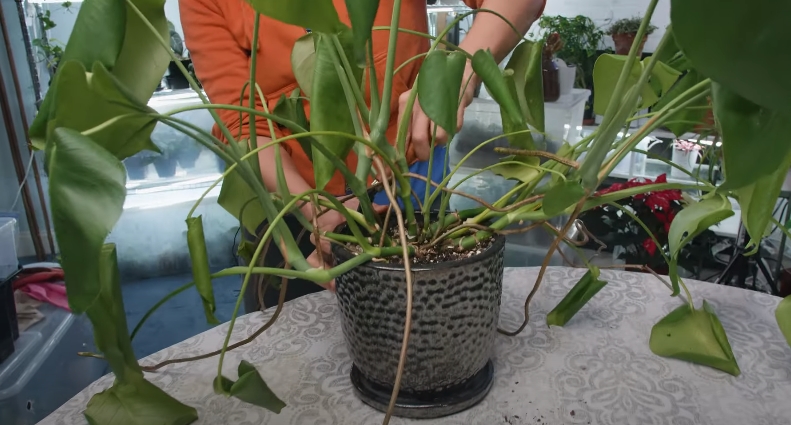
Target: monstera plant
95,116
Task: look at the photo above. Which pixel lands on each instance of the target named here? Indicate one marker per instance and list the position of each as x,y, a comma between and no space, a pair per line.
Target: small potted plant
685,155
137,165
623,33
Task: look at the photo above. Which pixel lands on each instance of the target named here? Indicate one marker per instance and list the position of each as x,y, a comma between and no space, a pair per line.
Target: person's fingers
442,135
402,100
421,139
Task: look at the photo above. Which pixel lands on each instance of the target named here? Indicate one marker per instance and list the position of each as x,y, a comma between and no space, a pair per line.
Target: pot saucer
425,405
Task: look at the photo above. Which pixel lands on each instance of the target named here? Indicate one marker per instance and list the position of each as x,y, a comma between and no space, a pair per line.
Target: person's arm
490,32
222,66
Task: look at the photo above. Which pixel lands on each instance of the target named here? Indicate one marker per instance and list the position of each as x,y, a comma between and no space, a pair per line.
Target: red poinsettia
658,202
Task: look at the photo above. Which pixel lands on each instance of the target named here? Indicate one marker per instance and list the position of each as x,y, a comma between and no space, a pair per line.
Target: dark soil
431,255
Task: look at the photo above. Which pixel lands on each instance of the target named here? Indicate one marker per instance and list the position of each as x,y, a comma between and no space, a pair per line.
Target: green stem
347,71
156,306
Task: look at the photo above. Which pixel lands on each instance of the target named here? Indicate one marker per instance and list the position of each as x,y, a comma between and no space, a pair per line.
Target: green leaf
562,196
439,84
362,14
303,62
748,53
141,403
199,255
757,202
579,295
142,61
97,36
329,110
250,388
690,222
608,69
316,15
754,139
686,119
87,191
528,85
695,336
292,109
783,316
522,169
239,199
86,100
484,65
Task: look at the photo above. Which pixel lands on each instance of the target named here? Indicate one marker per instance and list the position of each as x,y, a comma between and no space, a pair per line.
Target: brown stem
475,198
408,319
522,152
544,266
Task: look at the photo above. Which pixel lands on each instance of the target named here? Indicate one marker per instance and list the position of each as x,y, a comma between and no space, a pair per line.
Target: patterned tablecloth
596,370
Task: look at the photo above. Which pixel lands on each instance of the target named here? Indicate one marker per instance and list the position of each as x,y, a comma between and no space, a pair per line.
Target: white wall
604,12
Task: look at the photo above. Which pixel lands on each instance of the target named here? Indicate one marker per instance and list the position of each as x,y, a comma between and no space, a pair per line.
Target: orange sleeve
221,63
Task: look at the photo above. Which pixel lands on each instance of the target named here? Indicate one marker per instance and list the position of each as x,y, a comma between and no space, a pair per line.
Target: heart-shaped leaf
690,222
528,85
303,62
141,403
758,200
608,69
199,256
695,336
250,388
588,286
439,84
362,14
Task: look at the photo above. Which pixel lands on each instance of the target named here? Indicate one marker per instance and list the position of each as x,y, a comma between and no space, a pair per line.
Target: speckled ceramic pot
454,320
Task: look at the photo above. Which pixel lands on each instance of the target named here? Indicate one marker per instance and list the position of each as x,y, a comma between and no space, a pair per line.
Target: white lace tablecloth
596,370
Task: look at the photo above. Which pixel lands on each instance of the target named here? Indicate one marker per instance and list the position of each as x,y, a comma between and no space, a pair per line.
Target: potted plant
624,32
86,137
636,228
582,40
137,165
685,155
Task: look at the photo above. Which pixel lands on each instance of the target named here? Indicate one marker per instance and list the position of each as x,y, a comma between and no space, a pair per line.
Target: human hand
421,128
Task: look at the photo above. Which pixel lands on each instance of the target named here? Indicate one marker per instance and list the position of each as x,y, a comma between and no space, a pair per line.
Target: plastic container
45,371
9,262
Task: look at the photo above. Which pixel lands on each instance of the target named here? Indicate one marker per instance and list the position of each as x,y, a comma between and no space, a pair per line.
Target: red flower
649,246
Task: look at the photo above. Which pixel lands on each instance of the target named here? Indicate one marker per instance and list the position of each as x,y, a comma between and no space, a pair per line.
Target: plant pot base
425,405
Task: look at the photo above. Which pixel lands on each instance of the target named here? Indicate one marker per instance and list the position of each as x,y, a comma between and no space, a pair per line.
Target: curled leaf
140,403
588,286
250,388
696,336
199,255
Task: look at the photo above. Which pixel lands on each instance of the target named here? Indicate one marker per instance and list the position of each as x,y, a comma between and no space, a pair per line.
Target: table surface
596,370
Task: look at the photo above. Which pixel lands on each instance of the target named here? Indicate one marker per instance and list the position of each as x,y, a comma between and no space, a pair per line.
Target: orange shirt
218,34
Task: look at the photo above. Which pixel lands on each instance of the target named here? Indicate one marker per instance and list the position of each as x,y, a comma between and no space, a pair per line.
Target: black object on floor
9,328
425,405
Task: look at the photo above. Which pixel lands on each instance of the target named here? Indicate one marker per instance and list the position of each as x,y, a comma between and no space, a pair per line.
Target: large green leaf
362,14
747,51
86,100
292,109
562,196
783,316
239,199
499,88
97,36
696,336
525,63
685,120
87,192
316,15
608,69
439,85
579,295
140,404
690,222
329,108
142,60
199,255
250,388
303,62
755,140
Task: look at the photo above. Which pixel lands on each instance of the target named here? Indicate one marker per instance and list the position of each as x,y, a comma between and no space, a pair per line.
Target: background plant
629,26
581,40
95,116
